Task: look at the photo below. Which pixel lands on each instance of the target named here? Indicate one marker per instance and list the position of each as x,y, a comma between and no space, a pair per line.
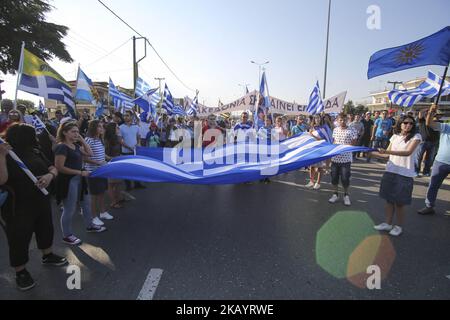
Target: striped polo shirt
98,149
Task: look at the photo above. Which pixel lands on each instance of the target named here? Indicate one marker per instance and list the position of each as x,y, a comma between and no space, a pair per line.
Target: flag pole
326,51
442,86
24,168
19,74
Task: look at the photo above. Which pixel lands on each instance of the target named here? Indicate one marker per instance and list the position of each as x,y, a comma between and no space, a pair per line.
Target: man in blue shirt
300,127
381,131
441,166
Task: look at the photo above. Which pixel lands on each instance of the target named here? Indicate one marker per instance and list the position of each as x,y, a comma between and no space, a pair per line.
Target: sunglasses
408,122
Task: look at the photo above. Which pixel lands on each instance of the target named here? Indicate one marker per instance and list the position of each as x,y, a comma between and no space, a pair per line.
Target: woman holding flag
27,210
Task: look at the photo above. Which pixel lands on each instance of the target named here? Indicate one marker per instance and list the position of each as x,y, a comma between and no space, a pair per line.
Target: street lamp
260,66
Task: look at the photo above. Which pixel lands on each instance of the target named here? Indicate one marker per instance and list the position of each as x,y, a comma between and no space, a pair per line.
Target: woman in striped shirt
97,186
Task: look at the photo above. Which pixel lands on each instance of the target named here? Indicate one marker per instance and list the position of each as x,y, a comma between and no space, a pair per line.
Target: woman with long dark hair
71,184
27,210
397,182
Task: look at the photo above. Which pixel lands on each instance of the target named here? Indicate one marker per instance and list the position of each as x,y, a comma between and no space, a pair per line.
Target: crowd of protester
64,153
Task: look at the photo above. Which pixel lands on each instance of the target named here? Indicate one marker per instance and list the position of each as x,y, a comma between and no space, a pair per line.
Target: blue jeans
430,149
381,143
70,207
342,171
439,173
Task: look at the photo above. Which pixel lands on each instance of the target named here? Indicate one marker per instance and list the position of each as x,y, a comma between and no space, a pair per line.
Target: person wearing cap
152,139
441,166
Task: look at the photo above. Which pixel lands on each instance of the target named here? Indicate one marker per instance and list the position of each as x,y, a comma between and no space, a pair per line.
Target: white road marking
150,285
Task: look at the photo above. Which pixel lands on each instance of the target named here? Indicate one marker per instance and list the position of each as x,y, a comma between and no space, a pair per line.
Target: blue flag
432,50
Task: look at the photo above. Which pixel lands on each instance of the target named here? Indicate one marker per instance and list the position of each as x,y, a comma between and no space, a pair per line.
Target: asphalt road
247,241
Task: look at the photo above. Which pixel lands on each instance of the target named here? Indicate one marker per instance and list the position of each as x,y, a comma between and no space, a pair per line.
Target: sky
209,44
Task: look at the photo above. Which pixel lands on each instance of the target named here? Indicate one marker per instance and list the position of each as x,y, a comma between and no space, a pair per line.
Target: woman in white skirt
397,182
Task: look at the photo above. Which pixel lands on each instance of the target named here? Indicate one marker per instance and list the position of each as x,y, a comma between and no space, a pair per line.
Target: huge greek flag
120,100
38,78
315,104
427,89
230,164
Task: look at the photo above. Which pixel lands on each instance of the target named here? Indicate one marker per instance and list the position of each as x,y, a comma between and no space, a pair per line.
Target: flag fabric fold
120,100
427,89
215,168
315,103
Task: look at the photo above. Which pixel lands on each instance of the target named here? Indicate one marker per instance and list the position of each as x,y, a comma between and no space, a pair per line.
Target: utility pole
136,62
160,92
326,51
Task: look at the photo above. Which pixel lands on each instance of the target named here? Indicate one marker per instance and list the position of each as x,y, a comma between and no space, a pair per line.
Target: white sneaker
383,227
310,185
98,222
334,198
316,186
105,215
396,231
347,201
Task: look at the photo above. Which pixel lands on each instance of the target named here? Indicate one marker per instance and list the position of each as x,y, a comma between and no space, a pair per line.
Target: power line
156,52
108,54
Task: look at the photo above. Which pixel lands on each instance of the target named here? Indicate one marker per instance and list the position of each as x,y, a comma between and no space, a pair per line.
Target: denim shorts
396,189
342,171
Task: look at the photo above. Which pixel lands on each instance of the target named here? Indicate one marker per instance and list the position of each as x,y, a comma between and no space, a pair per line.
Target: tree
349,107
24,20
360,109
27,103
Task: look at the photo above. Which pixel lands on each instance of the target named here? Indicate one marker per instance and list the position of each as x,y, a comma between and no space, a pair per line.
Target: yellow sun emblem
409,53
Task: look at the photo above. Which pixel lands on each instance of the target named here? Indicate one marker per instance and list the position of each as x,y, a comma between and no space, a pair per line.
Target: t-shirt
297,129
74,158
25,190
129,136
383,128
443,154
265,135
279,134
403,166
98,149
367,127
344,136
152,139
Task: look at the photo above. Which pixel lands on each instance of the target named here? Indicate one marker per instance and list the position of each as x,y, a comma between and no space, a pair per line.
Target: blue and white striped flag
427,89
148,101
38,125
193,107
85,88
41,108
315,104
142,87
121,101
179,110
168,103
231,164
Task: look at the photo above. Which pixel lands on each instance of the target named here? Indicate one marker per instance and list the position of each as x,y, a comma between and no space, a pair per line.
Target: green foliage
24,20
